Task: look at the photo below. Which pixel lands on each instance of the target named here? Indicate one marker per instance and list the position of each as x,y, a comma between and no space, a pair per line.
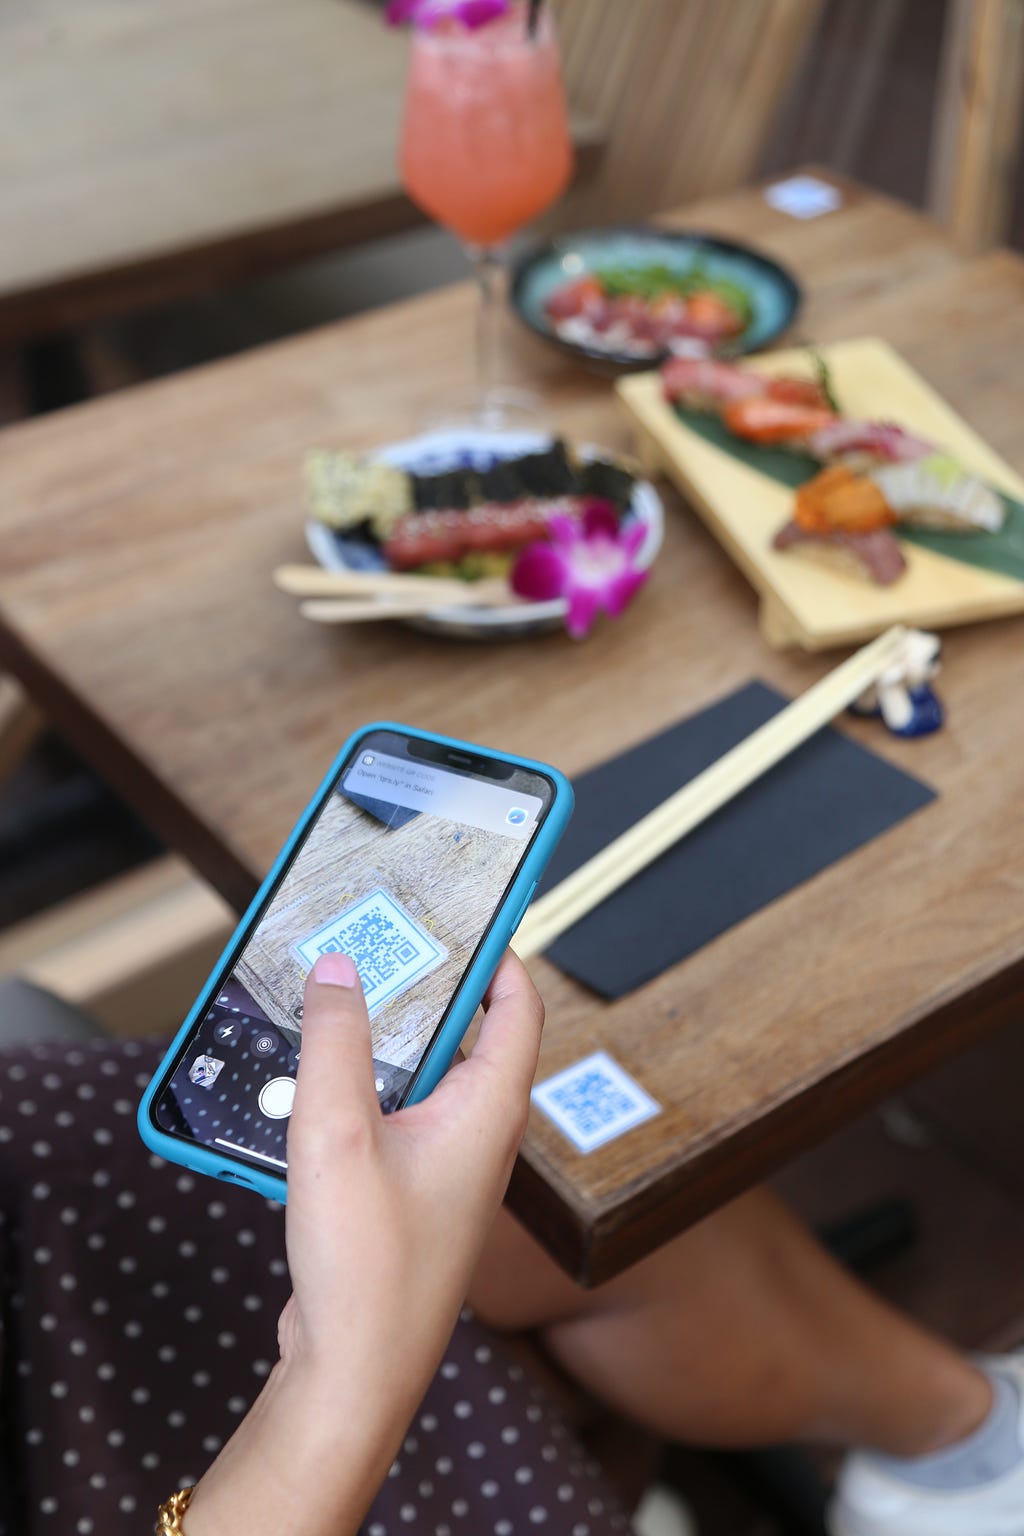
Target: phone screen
403,867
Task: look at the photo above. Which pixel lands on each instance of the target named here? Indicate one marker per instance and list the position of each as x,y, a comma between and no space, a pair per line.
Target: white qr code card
593,1101
390,949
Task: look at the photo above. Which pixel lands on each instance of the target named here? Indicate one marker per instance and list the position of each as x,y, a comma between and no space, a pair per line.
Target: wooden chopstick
656,832
314,581
342,610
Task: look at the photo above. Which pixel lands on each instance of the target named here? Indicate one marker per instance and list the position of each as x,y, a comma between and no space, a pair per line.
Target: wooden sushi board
802,603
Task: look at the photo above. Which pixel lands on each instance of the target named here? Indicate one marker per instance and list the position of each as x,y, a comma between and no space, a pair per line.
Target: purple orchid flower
590,561
426,14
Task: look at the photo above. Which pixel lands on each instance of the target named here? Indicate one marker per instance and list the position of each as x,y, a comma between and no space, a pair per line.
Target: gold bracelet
168,1519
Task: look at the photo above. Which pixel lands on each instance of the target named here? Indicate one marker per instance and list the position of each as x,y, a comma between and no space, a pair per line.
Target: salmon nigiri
767,419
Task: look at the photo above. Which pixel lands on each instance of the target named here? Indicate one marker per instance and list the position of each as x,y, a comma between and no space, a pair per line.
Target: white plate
437,453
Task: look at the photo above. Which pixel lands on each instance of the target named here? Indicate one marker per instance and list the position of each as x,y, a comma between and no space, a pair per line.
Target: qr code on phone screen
390,949
594,1101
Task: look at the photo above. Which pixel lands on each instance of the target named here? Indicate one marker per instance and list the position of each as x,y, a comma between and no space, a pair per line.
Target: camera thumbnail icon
205,1071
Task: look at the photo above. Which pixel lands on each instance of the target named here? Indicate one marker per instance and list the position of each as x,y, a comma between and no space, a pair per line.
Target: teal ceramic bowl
773,292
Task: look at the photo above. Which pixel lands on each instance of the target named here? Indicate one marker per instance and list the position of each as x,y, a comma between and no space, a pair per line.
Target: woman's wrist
305,1461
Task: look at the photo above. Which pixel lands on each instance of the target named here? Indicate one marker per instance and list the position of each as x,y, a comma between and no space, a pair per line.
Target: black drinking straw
533,17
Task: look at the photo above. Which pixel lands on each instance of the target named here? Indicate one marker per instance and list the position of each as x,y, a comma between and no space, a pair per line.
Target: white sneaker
661,1512
870,1500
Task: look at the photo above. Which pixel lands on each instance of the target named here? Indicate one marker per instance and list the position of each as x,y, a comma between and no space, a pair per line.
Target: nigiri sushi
874,556
863,444
768,419
938,493
837,500
707,384
926,493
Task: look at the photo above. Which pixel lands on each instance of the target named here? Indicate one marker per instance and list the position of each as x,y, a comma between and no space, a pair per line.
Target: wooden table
152,149
137,535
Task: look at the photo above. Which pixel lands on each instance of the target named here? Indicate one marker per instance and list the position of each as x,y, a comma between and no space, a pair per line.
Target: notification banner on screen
417,786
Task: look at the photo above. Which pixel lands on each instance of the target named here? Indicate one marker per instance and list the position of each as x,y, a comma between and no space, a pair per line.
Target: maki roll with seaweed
465,521
607,481
351,494
455,488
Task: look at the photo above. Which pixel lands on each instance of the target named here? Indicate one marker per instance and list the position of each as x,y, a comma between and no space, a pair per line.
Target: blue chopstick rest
926,713
903,696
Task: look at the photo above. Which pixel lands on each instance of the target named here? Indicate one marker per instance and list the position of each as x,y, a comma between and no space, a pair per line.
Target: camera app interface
403,869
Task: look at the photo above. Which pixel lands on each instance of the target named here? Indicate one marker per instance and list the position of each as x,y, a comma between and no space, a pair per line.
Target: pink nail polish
335,971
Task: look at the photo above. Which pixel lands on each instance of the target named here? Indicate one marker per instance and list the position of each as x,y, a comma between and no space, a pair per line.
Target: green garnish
943,466
825,380
656,280
476,566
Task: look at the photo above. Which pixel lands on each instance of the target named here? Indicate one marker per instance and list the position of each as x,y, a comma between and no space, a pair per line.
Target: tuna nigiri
705,384
874,557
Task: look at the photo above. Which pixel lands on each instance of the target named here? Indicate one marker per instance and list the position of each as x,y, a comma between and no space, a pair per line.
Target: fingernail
335,971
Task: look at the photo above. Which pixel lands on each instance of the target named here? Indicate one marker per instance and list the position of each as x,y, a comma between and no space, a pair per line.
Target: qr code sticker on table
593,1101
390,948
804,197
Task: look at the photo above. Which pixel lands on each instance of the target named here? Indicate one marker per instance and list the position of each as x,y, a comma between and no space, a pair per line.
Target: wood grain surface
629,68
446,876
137,540
140,136
976,139
152,151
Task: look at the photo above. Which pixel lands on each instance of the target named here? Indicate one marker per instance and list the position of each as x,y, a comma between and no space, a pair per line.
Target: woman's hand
385,1221
387,1214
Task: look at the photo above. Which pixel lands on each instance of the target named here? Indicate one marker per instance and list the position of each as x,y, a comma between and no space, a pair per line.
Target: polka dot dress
138,1319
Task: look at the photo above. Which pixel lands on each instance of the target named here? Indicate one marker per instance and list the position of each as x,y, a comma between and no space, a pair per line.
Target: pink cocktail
485,137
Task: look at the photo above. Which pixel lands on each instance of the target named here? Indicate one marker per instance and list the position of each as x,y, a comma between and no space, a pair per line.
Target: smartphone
417,856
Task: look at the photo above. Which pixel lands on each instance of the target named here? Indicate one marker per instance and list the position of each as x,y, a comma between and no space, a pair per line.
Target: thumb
334,1088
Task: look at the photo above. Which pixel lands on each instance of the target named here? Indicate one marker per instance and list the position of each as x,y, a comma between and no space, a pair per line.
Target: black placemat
820,803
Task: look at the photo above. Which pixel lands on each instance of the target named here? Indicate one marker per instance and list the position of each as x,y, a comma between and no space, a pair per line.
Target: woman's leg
742,1331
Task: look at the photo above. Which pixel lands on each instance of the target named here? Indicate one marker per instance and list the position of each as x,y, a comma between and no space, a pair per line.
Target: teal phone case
467,1000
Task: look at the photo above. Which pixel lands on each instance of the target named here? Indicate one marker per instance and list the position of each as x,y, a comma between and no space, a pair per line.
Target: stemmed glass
485,147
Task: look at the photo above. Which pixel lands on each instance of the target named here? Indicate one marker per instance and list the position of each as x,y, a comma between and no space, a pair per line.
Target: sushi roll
549,472
607,481
447,537
453,489
502,482
348,493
